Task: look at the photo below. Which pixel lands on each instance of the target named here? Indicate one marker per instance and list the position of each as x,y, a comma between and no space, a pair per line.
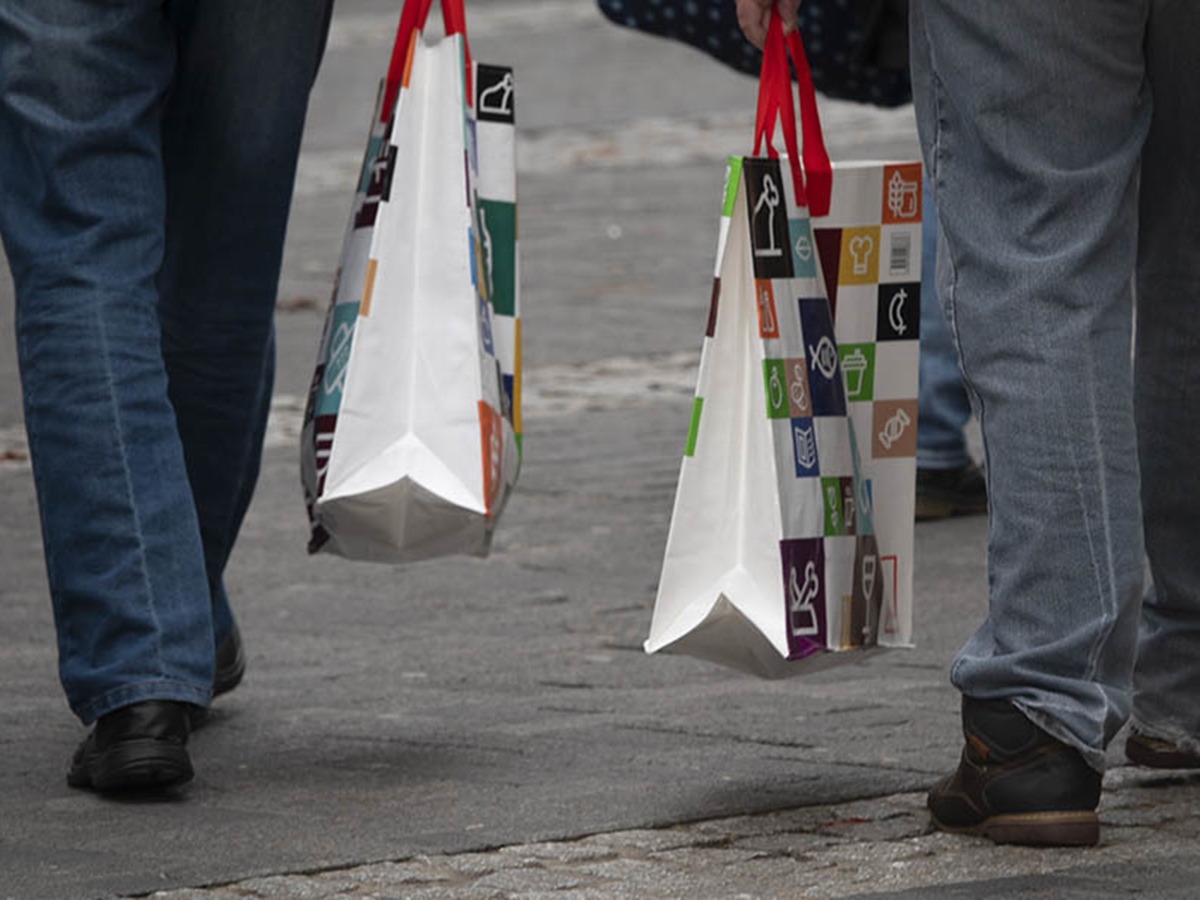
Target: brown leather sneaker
1016,784
1159,754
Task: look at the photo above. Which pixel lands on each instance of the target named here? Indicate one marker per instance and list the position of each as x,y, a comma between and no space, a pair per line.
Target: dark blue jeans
147,155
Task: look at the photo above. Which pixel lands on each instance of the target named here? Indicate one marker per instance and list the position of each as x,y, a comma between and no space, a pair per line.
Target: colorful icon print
769,238
768,321
776,385
804,448
859,262
899,315
804,250
824,377
799,399
858,369
803,563
894,429
868,592
494,94
840,507
901,194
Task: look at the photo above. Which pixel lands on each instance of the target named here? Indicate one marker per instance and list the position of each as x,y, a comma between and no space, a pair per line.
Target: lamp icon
861,248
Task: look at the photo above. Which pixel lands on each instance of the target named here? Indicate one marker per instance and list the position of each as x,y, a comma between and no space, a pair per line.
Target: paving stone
649,840
560,851
533,879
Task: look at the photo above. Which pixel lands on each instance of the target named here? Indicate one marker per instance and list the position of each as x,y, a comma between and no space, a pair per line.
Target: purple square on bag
803,562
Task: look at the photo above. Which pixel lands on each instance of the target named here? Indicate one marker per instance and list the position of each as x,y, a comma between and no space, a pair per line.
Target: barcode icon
900,257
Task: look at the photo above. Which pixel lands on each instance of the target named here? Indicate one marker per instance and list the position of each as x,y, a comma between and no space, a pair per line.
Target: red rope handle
812,180
775,101
818,171
413,16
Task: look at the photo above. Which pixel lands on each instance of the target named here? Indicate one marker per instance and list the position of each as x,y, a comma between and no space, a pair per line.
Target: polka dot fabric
829,28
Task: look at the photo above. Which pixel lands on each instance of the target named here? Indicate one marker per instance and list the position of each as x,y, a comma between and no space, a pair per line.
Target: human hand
754,16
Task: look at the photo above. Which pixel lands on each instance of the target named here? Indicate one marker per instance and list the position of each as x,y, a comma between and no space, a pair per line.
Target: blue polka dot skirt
830,30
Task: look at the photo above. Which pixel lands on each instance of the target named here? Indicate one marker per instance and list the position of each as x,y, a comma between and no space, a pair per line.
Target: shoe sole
1047,829
142,765
1144,752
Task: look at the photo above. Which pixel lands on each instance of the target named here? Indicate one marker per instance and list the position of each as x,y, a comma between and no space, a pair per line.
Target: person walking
1061,141
147,155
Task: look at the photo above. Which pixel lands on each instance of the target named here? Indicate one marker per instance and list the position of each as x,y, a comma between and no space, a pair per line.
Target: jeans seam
951,307
143,569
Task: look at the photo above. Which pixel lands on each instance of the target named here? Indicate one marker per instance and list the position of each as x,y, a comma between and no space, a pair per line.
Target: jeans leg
231,138
1036,191
1167,678
81,90
942,404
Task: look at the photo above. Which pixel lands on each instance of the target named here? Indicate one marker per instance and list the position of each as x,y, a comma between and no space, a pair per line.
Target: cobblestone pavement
847,850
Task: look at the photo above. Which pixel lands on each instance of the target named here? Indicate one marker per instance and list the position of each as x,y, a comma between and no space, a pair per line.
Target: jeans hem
161,689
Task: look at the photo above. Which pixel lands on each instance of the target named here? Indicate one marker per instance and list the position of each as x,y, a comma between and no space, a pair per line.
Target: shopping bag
410,444
791,537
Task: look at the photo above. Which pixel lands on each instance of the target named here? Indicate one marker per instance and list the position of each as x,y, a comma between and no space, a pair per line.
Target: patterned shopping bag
792,532
412,432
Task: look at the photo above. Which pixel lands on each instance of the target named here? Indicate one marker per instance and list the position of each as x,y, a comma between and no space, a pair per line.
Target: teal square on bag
498,235
804,248
342,322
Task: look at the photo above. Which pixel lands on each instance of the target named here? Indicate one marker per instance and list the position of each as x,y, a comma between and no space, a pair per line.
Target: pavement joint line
846,849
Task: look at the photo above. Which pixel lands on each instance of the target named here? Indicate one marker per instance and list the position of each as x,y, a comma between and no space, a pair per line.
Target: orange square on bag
901,194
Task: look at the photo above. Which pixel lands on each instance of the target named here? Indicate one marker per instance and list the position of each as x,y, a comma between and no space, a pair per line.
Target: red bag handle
775,101
814,180
413,16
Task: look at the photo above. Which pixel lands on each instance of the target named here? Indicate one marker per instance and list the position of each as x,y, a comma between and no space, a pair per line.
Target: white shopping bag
792,532
411,438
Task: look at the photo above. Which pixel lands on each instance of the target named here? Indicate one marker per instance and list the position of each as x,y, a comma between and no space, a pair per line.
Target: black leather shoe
942,493
1159,754
230,663
1016,784
141,747
230,666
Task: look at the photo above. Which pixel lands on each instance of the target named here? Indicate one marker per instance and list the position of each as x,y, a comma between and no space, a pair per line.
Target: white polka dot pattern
830,29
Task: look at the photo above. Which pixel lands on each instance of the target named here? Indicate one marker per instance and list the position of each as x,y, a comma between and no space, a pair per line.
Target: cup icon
854,365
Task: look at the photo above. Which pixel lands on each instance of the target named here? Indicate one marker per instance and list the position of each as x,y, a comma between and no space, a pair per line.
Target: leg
81,88
1167,679
1036,191
943,407
948,481
231,139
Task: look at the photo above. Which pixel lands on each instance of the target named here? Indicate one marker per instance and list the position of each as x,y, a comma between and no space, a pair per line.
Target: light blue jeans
147,154
1063,141
943,406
